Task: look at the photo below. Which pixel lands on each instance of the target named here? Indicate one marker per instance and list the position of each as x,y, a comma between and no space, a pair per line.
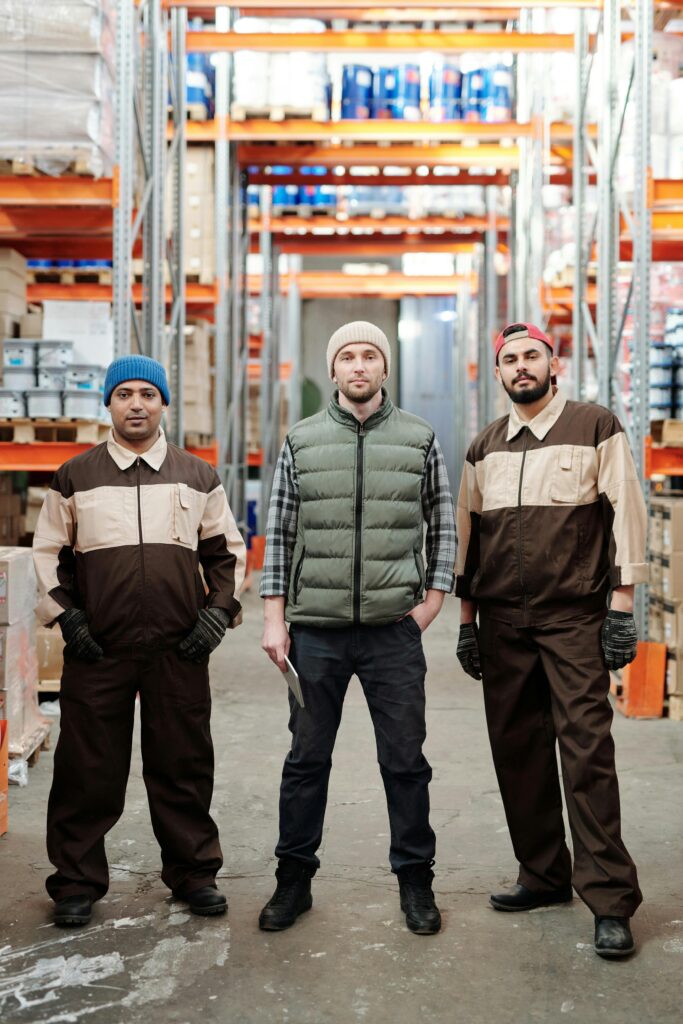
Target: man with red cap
551,528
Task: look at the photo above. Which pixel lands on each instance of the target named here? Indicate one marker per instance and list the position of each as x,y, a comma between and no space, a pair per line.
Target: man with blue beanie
121,538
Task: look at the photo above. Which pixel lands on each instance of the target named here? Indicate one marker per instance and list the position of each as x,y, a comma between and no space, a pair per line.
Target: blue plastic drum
396,93
474,89
445,93
356,92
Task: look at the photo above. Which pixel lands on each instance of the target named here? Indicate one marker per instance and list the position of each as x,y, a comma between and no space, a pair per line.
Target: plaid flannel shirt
437,509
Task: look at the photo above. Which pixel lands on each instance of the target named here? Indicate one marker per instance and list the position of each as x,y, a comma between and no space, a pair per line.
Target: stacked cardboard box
12,292
18,655
198,397
34,502
666,590
199,212
11,524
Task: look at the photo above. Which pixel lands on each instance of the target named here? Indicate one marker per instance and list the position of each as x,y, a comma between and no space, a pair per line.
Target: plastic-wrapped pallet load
57,58
197,408
12,288
18,654
281,82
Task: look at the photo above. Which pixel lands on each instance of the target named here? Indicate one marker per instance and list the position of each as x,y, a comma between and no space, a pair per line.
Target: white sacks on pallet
56,83
294,81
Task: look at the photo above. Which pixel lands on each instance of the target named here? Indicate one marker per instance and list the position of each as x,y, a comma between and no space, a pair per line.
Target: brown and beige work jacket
123,536
550,514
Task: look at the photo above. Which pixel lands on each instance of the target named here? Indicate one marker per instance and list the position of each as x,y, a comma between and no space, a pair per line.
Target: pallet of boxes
666,593
198,397
25,731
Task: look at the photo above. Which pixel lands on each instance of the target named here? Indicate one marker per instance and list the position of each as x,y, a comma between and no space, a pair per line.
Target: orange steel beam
64,248
330,284
48,456
497,157
390,14
24,190
196,294
453,6
264,130
662,461
34,222
666,192
375,225
375,248
390,41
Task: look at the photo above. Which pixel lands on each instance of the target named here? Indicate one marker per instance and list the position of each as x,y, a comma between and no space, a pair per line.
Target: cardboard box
6,483
35,498
672,576
672,623
11,529
14,284
12,305
676,708
10,505
656,576
656,621
50,652
18,588
672,525
31,325
9,324
674,672
655,529
12,260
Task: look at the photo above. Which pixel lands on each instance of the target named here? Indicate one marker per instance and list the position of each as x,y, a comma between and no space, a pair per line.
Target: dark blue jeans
390,664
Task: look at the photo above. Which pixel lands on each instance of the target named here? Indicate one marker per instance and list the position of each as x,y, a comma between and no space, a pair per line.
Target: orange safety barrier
642,683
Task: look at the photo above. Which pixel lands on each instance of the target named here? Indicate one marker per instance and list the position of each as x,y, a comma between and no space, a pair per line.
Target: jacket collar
341,415
540,424
124,457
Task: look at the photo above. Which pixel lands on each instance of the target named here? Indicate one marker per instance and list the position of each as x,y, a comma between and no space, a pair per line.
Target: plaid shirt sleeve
437,508
281,526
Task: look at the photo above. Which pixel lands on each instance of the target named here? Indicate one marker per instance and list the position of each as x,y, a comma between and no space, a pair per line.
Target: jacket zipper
519,521
142,548
297,574
358,523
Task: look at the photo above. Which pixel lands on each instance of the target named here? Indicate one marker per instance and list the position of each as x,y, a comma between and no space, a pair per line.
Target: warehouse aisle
351,958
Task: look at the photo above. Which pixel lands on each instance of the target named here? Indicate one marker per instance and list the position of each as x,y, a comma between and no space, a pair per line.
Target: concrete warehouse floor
351,959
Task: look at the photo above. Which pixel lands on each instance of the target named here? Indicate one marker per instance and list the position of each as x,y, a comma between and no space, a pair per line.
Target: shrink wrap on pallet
75,25
18,692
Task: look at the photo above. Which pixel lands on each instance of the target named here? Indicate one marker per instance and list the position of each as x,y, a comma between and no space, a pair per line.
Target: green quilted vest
358,552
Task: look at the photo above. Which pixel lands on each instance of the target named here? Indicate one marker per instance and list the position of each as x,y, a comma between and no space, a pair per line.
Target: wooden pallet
318,112
49,686
32,743
69,275
81,166
30,431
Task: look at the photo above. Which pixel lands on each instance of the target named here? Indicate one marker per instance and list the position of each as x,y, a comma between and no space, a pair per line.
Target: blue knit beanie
136,368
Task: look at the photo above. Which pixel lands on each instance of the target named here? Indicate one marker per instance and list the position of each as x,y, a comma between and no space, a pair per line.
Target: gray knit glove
79,642
468,649
619,639
208,632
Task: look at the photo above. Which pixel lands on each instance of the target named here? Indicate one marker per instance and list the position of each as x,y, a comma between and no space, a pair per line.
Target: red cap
517,332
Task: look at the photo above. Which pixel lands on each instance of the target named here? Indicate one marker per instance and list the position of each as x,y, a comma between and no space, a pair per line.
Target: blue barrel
445,93
356,92
39,264
196,81
498,103
473,94
396,93
67,264
311,195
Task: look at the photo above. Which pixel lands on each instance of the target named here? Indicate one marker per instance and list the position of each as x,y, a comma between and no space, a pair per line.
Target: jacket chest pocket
565,484
187,515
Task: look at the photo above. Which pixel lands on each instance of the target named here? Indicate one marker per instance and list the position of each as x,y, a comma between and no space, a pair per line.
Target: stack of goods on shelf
35,496
41,381
12,291
56,84
27,729
476,90
666,592
197,387
199,235
11,525
279,85
200,79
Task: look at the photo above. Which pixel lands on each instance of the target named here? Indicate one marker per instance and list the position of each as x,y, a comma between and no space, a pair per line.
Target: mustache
524,376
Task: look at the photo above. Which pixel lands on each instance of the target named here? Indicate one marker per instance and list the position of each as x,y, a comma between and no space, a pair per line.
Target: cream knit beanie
358,331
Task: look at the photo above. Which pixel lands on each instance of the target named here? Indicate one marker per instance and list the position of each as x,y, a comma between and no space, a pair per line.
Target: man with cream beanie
354,487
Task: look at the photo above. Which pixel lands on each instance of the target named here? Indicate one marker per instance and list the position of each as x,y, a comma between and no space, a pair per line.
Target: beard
360,397
527,396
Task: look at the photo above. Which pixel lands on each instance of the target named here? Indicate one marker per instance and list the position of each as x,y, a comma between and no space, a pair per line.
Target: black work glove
468,649
79,642
208,632
619,639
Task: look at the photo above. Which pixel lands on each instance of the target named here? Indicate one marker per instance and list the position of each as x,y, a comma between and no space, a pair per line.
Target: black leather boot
207,901
291,897
613,937
521,898
73,911
417,899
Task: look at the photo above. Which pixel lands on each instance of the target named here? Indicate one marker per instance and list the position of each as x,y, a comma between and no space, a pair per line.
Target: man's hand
79,642
276,641
619,639
208,632
468,649
425,613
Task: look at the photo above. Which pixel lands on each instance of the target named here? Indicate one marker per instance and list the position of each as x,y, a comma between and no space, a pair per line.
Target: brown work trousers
548,684
92,762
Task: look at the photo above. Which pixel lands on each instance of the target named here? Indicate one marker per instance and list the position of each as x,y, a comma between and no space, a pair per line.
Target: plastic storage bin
43,403
18,352
19,378
55,353
12,404
82,404
85,377
51,378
